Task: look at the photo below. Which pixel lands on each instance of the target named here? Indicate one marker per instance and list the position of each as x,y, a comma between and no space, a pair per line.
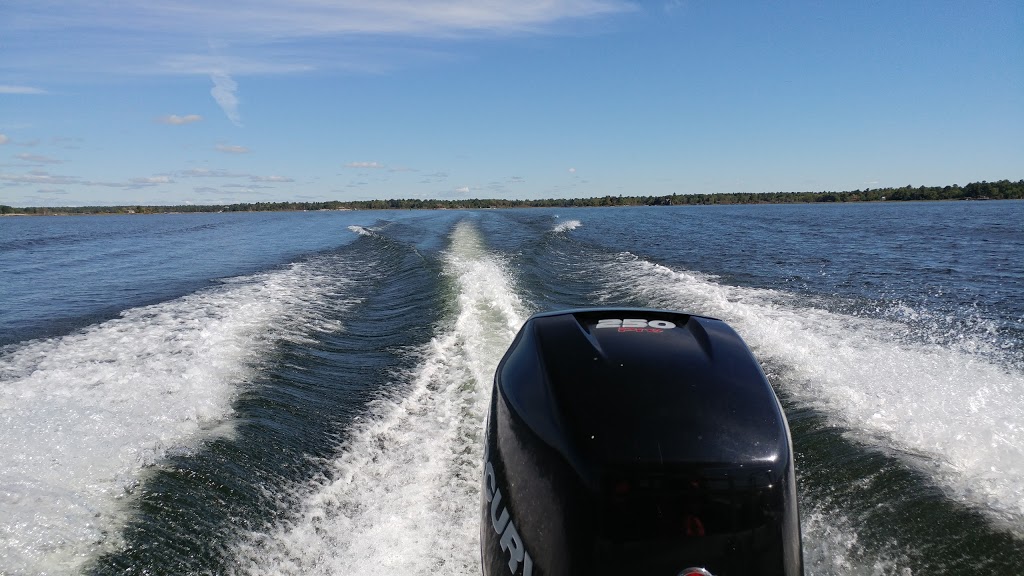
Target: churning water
304,393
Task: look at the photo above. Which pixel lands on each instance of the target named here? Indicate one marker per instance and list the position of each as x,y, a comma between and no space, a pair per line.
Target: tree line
1000,190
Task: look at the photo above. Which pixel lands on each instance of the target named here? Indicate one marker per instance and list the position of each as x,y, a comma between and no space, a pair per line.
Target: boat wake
566,226
949,413
87,413
401,497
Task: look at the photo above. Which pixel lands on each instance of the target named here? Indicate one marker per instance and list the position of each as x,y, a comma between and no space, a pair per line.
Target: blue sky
123,102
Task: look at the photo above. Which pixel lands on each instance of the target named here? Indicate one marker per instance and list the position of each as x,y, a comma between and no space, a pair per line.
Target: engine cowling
636,441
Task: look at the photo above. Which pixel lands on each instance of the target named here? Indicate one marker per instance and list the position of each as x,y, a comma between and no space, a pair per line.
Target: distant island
1001,190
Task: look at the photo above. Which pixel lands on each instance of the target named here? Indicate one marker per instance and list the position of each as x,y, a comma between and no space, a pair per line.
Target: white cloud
248,187
208,173
230,149
364,165
175,120
112,184
223,92
8,89
244,189
4,139
463,190
152,180
37,177
572,170
39,159
160,37
262,20
210,65
271,179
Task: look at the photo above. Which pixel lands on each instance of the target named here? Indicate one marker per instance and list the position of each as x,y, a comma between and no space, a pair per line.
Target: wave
950,413
566,226
402,494
87,413
362,231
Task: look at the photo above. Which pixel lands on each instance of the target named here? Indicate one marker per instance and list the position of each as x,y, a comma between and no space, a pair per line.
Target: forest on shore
1000,190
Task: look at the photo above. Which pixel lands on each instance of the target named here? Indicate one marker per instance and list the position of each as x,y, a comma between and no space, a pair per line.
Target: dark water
303,393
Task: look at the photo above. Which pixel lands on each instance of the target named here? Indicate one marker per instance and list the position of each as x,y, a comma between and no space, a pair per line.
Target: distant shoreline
1000,190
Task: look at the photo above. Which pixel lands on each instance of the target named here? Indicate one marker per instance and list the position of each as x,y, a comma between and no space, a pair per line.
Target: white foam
832,548
82,416
362,231
943,409
566,226
403,492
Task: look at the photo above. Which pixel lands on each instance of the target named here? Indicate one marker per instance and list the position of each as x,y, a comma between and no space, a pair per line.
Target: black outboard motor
634,442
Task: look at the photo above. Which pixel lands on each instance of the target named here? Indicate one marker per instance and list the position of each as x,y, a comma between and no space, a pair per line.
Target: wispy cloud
271,179
38,159
248,187
152,180
255,20
68,143
209,65
672,6
175,120
38,177
42,177
4,139
161,37
373,165
108,184
463,190
223,91
230,149
245,189
434,178
9,89
208,173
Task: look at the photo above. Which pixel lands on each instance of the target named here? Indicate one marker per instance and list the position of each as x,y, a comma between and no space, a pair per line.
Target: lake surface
304,393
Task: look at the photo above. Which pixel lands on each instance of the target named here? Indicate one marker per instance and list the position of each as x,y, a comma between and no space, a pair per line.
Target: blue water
251,393
62,272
